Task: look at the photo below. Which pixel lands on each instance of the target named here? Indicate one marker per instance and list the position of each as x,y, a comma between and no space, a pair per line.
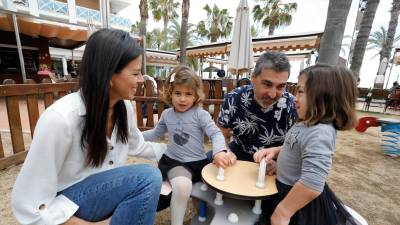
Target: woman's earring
111,84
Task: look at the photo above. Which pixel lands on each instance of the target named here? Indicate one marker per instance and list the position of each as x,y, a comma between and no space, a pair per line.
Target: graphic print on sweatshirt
180,137
292,137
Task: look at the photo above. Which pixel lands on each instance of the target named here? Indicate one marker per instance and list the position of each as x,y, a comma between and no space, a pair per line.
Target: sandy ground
362,176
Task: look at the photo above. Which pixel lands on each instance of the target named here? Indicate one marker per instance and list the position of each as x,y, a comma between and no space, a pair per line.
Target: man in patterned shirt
260,114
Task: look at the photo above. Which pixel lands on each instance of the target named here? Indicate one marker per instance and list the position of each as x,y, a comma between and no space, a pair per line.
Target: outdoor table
238,190
390,129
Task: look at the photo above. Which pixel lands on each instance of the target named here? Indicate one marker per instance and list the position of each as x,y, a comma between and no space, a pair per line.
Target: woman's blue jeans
129,194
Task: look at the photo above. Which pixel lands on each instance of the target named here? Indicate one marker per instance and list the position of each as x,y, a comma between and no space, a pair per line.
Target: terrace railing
53,6
86,14
120,21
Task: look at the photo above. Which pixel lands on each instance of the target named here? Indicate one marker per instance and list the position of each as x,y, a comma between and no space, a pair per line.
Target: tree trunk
363,35
271,30
165,32
144,15
333,34
184,28
271,27
394,15
214,38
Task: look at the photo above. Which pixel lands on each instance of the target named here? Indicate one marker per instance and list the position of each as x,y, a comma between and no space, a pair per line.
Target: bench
376,98
362,94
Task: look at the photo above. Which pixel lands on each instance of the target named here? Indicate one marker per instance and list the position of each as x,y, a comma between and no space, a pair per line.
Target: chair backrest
363,92
396,94
378,93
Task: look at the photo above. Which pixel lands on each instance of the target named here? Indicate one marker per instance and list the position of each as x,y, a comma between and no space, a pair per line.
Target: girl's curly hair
183,75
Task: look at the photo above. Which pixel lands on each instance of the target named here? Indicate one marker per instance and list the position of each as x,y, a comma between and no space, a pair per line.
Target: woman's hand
224,159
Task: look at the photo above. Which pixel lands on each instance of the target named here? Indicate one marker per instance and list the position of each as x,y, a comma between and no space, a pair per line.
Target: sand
362,176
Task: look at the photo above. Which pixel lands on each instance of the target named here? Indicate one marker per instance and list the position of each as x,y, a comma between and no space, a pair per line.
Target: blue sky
310,16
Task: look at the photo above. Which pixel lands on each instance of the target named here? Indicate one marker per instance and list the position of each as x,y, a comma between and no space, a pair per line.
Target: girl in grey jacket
325,102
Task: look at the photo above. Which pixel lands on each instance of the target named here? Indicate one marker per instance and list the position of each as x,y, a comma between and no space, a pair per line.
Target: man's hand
224,159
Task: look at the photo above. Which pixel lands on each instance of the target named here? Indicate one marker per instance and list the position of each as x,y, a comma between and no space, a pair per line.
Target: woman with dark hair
75,170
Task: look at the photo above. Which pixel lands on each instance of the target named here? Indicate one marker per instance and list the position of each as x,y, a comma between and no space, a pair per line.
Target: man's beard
263,103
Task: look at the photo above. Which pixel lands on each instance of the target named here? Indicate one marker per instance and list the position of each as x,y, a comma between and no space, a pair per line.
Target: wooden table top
240,181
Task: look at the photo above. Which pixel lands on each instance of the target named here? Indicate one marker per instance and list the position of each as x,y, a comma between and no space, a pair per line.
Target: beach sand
362,176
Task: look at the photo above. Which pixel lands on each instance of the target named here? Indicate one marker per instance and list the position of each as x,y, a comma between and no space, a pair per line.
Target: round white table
238,190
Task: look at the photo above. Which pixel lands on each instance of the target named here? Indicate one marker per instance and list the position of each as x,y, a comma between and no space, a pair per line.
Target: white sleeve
34,198
137,146
144,149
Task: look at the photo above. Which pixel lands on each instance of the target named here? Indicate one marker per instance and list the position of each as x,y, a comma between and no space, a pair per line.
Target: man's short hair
275,61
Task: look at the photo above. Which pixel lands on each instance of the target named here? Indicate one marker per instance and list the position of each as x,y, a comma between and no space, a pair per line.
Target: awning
160,58
292,56
60,35
293,42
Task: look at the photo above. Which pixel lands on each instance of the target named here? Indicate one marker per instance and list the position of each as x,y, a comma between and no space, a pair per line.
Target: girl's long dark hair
107,52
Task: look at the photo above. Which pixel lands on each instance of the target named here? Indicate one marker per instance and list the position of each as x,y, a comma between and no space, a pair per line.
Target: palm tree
218,24
155,39
394,16
273,14
377,41
184,30
135,28
165,10
363,34
144,15
331,40
254,31
174,35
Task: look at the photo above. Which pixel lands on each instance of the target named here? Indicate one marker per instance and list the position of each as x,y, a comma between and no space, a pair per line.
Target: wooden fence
33,93
151,104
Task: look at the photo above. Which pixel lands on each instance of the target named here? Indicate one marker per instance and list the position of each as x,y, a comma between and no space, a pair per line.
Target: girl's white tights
181,189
